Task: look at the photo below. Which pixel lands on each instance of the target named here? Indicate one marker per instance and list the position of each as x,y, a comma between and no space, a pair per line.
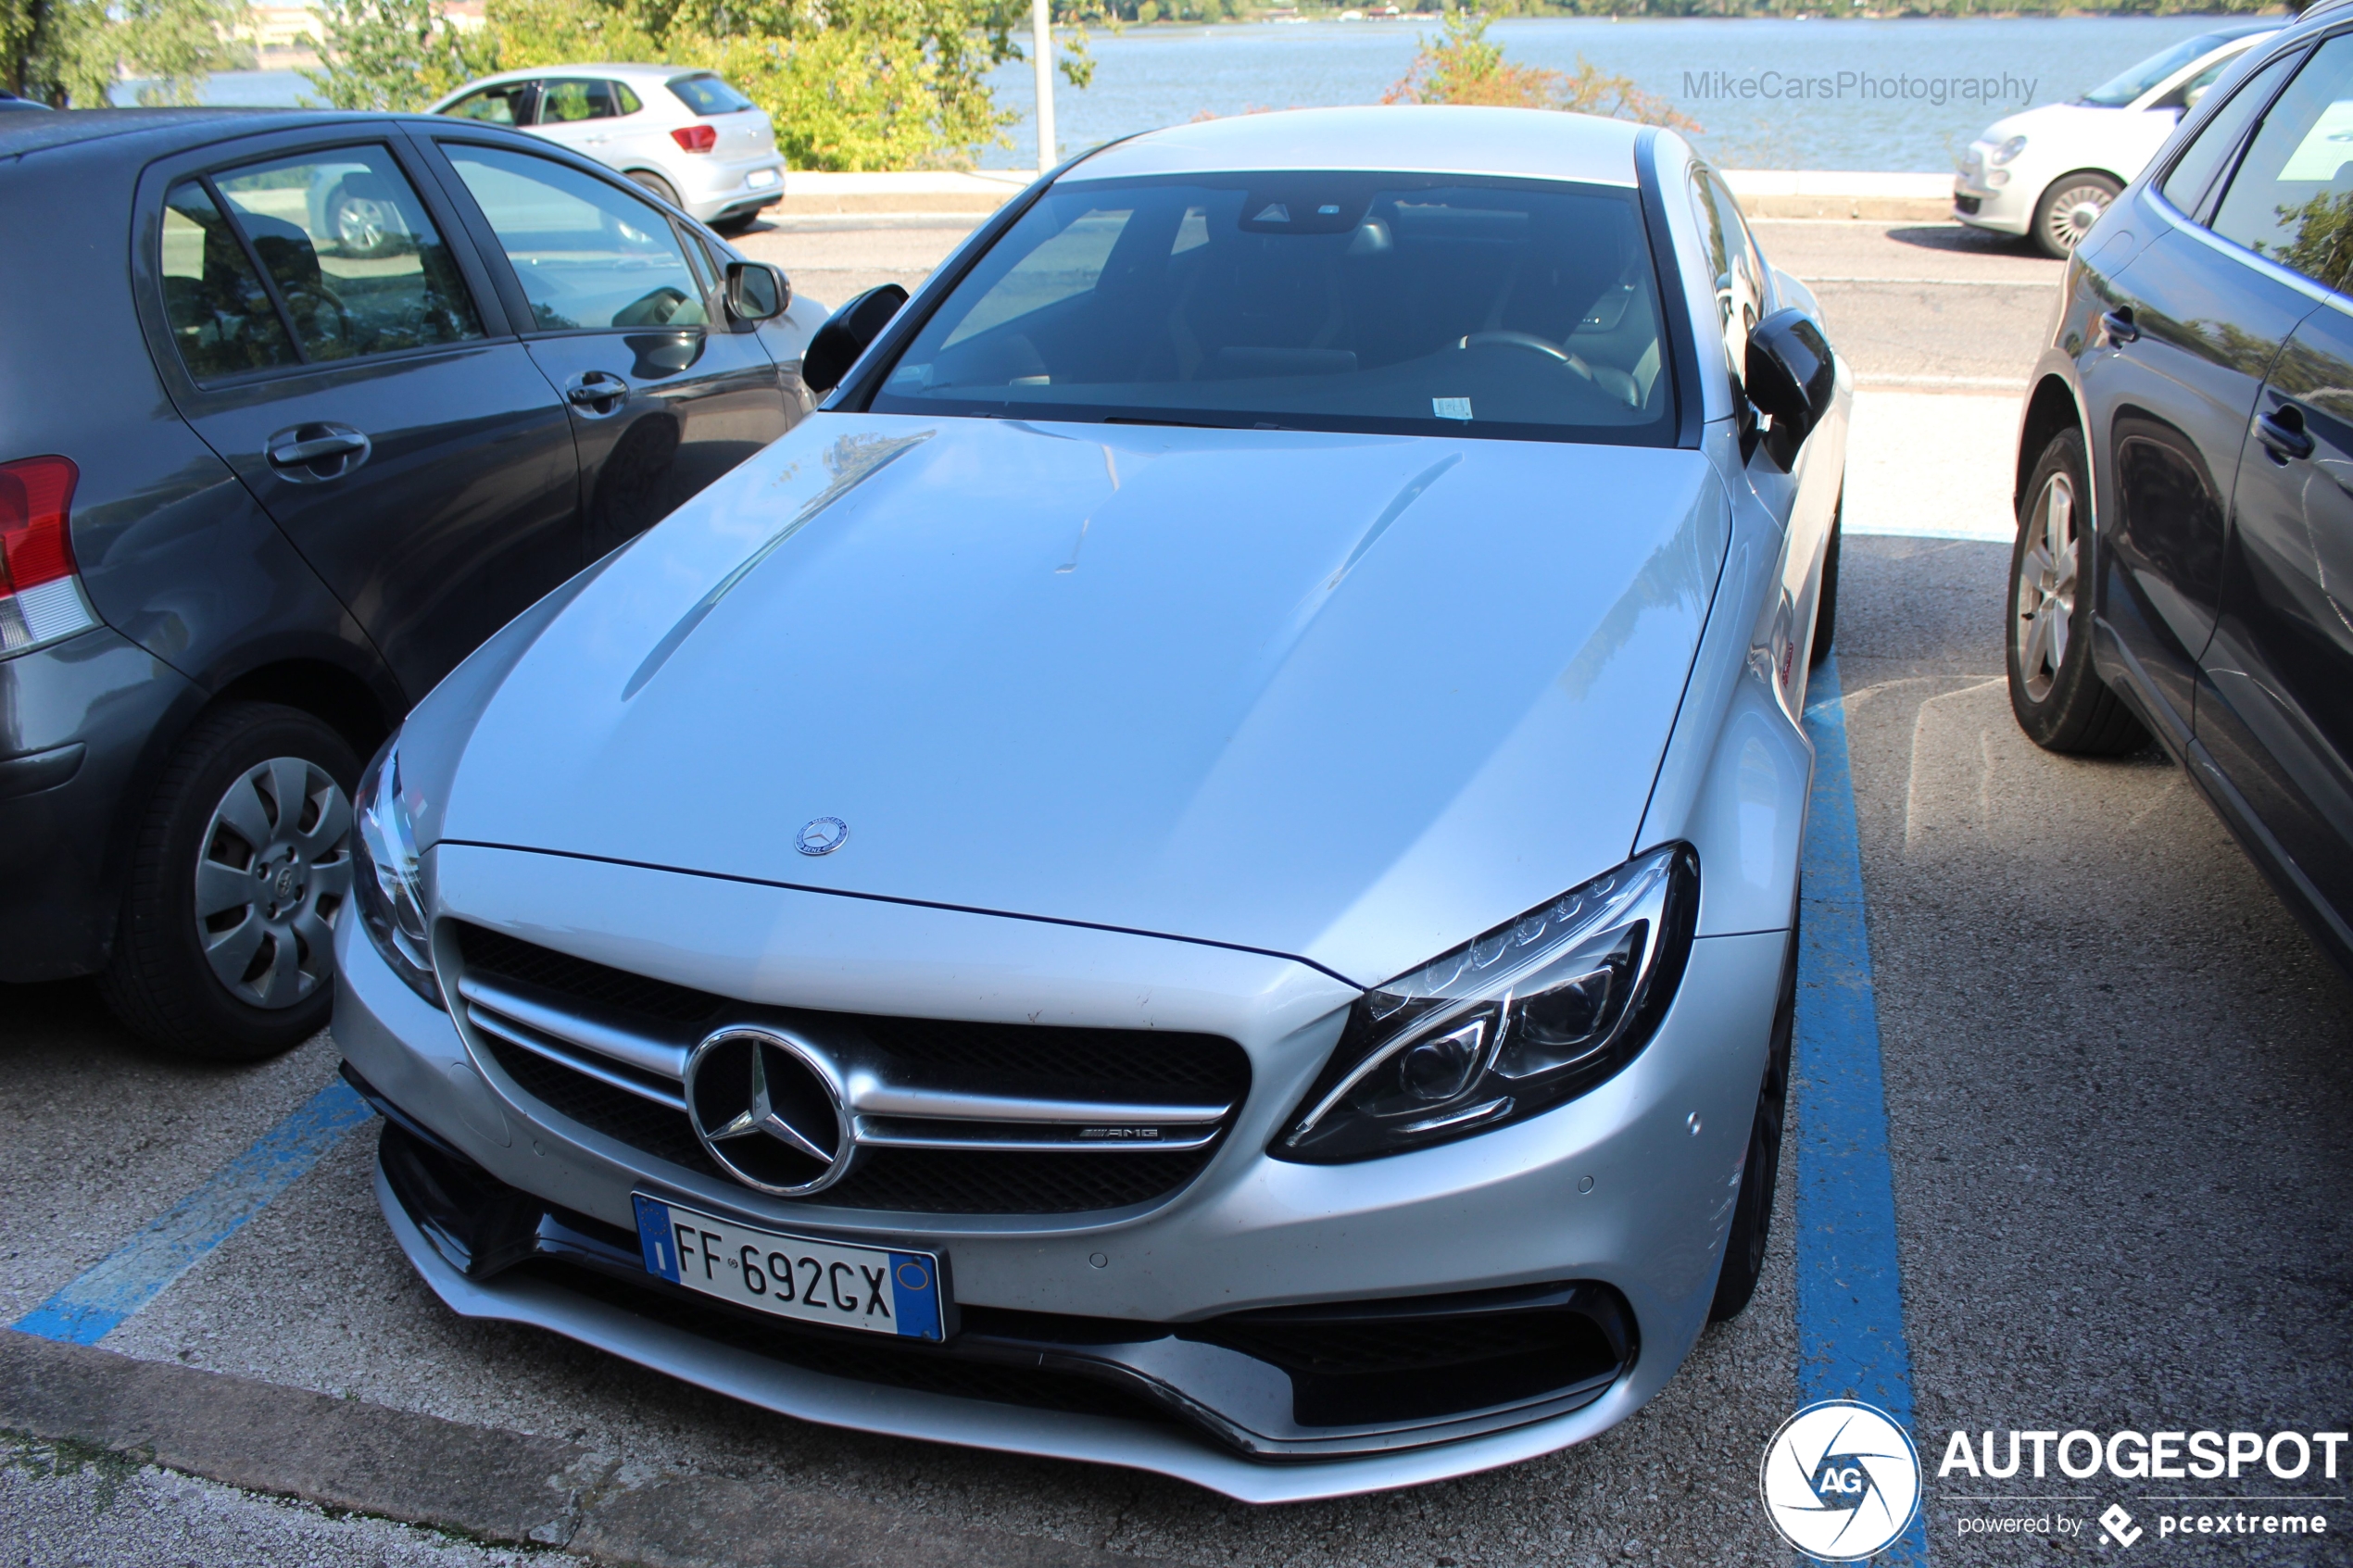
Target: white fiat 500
1199,870
2049,173
683,134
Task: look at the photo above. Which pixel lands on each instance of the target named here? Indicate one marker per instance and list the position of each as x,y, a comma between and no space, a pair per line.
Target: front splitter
939,1418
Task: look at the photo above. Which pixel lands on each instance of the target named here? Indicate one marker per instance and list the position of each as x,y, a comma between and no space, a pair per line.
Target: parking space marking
1850,1301
91,1306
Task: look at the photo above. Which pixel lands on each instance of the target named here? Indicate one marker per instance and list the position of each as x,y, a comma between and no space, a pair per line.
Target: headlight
392,902
1531,1014
2007,151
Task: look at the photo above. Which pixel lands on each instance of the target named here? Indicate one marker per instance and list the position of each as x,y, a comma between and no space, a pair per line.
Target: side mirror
836,345
1790,376
757,291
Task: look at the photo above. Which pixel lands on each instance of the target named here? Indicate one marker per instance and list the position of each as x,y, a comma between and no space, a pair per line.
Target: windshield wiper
1185,424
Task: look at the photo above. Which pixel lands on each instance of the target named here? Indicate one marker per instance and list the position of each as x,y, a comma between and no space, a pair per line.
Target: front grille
642,1109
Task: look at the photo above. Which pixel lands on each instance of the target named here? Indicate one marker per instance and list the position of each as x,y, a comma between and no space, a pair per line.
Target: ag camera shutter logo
1840,1480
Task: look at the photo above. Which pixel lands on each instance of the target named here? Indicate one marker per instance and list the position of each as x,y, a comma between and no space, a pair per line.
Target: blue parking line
1850,1298
92,1307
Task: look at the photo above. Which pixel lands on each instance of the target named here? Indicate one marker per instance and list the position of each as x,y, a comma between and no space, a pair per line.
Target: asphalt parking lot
2118,1108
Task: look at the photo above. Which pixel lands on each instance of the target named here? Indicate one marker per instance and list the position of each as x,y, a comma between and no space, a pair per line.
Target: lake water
1847,94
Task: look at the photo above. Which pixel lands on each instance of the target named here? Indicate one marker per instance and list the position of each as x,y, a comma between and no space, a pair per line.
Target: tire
647,180
1752,1224
2060,699
253,975
1825,613
2067,210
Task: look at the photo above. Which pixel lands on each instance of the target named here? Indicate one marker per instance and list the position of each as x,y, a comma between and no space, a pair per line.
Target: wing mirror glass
1789,377
846,335
757,291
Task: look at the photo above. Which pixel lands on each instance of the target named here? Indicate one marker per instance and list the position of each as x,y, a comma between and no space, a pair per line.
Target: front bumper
1614,1194
1998,199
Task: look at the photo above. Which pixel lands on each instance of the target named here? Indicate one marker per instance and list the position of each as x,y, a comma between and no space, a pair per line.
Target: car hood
1348,699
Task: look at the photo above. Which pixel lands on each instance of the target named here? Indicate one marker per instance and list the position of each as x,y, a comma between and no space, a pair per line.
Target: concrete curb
1763,193
495,1486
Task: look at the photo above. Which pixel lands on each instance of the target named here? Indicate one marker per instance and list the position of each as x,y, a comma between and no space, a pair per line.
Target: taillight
39,598
695,138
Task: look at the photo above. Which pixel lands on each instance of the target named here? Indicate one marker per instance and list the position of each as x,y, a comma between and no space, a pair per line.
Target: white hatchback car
2050,171
683,134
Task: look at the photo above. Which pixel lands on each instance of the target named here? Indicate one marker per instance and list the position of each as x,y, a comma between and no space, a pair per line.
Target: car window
220,316
1732,260
2118,91
2193,173
2292,198
502,105
567,99
588,255
2186,96
627,101
706,93
1415,304
355,262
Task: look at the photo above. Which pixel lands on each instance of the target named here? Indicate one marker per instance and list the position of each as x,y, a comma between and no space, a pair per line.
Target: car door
2275,709
2170,376
580,113
666,392
366,390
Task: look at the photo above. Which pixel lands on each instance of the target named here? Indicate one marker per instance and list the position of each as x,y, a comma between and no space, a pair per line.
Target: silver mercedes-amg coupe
1199,870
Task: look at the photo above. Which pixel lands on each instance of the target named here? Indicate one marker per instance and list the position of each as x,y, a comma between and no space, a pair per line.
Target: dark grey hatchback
295,409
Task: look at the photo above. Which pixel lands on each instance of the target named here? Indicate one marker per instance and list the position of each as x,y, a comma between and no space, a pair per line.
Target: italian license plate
871,1288
760,176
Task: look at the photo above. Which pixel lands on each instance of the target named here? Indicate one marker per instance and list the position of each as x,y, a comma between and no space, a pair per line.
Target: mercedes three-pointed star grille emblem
770,1111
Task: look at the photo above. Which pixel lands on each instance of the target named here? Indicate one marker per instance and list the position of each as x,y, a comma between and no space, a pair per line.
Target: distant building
297,25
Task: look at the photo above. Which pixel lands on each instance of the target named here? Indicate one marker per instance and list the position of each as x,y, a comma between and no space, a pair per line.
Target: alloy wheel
2044,598
362,224
272,868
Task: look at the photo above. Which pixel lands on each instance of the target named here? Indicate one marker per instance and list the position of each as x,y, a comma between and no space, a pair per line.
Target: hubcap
2074,212
273,869
2044,600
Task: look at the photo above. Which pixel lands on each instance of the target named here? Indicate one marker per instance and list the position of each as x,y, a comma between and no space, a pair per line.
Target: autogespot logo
1841,1480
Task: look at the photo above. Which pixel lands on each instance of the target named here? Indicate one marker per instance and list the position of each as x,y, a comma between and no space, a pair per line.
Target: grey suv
302,408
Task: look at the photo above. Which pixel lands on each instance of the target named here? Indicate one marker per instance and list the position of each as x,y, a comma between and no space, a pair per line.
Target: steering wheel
1531,342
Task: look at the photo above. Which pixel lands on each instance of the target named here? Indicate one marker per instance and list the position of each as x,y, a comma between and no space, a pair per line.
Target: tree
1464,67
850,83
71,52
396,55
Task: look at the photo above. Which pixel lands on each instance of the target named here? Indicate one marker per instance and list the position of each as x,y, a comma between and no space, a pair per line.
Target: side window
564,101
2193,173
357,266
625,101
2292,198
588,255
502,105
1738,271
221,315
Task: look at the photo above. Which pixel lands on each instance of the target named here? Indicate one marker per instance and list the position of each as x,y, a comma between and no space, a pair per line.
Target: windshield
1384,303
2119,90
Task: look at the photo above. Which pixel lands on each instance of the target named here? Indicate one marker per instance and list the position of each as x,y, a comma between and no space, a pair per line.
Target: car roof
20,134
1403,138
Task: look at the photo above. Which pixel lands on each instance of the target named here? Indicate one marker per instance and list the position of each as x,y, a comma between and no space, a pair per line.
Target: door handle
596,392
2282,433
2119,325
309,453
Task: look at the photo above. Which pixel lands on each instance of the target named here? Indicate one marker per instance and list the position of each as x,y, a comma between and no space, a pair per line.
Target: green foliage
851,85
394,55
69,53
1464,67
